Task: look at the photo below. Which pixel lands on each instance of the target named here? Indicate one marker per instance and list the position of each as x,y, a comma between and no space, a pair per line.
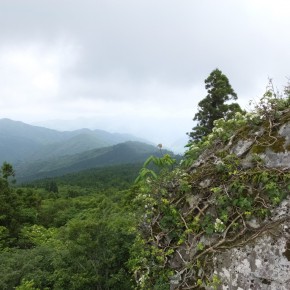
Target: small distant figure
159,146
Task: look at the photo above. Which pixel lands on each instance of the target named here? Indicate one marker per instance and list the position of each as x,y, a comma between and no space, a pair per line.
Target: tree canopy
214,106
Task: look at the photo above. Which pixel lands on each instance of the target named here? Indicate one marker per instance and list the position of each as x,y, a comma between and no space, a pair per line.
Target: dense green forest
73,232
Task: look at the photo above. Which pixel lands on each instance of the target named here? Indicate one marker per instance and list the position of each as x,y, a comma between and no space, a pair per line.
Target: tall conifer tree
214,106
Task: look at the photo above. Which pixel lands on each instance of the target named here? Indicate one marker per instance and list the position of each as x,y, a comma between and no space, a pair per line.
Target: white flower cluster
194,147
252,116
218,130
219,226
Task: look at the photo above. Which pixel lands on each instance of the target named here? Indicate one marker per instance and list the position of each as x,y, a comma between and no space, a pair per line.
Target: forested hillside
123,153
116,177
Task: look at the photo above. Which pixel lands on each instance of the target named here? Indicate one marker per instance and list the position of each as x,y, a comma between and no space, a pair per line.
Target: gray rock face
263,263
242,147
272,158
285,132
260,266
276,160
256,254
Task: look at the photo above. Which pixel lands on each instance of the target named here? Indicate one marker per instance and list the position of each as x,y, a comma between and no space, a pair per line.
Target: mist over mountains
38,152
20,141
173,136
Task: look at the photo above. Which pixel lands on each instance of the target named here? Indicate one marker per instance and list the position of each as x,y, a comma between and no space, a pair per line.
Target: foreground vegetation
205,206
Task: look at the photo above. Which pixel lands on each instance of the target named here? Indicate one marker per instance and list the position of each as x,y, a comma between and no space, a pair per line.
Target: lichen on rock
263,263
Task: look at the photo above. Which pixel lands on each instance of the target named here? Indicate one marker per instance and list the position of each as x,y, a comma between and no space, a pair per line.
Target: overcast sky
135,66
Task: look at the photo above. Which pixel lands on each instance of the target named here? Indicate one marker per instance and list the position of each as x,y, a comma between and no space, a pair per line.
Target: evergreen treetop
214,106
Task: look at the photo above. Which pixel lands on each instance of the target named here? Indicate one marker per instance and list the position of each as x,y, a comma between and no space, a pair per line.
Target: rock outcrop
223,221
261,263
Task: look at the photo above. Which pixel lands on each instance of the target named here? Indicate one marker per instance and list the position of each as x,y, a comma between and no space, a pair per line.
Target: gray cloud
137,53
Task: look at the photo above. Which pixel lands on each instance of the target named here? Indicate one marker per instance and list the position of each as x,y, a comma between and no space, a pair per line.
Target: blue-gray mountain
37,152
22,142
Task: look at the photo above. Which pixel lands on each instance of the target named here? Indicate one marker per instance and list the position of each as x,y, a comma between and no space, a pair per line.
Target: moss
265,141
274,142
278,146
287,251
258,149
242,134
285,117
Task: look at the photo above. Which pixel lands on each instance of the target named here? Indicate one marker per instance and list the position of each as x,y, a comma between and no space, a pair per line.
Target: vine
208,204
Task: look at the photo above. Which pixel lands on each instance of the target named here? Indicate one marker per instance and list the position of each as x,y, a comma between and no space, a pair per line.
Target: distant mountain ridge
37,152
123,153
22,142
